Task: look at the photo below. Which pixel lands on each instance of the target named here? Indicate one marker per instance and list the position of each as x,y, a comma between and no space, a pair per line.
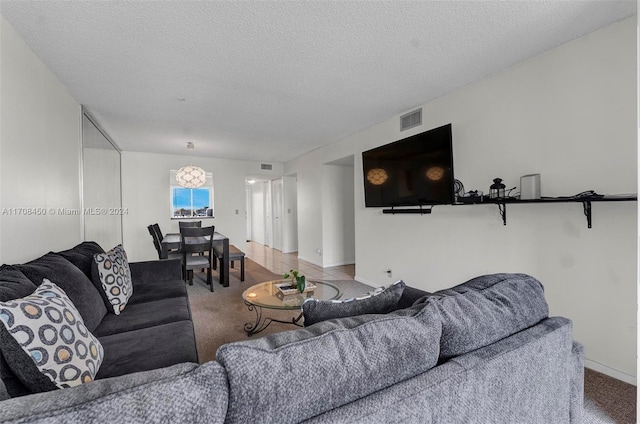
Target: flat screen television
416,170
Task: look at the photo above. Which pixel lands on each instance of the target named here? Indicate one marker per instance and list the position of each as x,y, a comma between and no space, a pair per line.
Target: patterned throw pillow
115,277
45,342
380,301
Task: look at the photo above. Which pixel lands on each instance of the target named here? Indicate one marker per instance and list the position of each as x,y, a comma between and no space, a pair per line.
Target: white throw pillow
115,277
43,334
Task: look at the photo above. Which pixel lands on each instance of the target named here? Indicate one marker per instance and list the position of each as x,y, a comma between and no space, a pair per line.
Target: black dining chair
196,240
156,243
156,228
189,224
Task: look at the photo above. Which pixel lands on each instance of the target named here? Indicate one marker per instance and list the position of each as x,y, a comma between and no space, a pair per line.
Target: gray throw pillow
380,301
487,309
45,342
295,375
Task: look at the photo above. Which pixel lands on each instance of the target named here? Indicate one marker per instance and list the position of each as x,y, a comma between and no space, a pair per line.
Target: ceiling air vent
266,166
411,119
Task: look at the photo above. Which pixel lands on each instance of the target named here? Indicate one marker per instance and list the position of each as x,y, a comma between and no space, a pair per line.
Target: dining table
171,241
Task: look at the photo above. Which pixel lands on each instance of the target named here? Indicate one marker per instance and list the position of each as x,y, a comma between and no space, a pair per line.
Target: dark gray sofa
481,352
154,331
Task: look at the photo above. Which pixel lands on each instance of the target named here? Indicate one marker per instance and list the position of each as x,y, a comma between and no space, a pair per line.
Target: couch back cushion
292,376
82,255
14,284
74,282
487,309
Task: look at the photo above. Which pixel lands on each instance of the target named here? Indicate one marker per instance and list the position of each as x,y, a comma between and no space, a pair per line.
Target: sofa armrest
151,271
576,408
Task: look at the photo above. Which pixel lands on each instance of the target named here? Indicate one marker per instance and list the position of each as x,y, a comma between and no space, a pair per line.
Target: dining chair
156,228
196,240
190,224
156,243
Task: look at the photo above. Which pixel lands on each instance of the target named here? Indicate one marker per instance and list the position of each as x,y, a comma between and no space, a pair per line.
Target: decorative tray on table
287,288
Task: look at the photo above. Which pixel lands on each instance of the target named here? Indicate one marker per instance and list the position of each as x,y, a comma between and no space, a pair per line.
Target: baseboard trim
302,258
596,366
339,264
365,281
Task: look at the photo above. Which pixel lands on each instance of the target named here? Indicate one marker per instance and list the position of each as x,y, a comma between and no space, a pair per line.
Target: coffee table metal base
263,322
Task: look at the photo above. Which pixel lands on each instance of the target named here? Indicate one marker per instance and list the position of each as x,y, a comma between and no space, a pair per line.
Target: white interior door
247,214
277,205
268,214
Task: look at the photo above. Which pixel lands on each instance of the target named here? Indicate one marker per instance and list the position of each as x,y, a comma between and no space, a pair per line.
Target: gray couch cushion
486,309
148,349
380,301
82,255
14,284
157,291
69,278
144,315
184,393
326,365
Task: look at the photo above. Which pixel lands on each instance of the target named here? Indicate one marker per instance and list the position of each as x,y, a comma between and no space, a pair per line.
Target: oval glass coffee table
268,295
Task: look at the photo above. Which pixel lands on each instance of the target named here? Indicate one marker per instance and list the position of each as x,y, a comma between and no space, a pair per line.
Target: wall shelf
502,204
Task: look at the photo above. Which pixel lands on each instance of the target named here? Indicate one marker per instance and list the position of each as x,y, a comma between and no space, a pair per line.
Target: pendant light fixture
191,176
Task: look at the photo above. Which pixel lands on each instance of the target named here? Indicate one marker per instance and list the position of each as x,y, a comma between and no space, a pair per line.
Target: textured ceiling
271,80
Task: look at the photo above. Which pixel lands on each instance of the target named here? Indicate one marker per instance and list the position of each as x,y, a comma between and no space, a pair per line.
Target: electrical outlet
319,251
389,273
237,212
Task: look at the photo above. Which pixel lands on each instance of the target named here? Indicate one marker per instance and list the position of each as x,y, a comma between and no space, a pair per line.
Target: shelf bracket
586,206
502,208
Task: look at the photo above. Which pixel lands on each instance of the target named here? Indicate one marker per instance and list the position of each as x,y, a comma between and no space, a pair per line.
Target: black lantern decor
496,191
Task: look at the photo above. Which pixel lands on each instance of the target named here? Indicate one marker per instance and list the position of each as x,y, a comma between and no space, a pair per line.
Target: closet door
101,187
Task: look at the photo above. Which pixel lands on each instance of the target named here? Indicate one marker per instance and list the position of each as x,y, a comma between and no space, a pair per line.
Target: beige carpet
607,400
219,317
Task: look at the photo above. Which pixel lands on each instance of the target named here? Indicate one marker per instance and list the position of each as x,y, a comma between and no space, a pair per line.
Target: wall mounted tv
416,170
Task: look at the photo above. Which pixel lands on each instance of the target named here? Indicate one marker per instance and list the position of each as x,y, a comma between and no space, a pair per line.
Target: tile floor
279,263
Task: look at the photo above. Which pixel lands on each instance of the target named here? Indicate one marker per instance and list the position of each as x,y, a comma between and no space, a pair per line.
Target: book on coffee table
287,288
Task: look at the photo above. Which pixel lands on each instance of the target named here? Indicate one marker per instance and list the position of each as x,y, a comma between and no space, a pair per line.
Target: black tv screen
416,170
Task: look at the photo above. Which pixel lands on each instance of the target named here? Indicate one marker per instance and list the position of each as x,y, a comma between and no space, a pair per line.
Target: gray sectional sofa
482,352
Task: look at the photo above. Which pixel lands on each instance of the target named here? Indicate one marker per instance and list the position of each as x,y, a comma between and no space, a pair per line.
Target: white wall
290,214
145,193
39,154
569,114
338,226
308,169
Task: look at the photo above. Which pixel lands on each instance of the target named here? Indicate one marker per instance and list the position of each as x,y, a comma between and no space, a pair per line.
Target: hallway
279,263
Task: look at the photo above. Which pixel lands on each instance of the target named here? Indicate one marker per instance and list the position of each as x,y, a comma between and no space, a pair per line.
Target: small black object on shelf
496,190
